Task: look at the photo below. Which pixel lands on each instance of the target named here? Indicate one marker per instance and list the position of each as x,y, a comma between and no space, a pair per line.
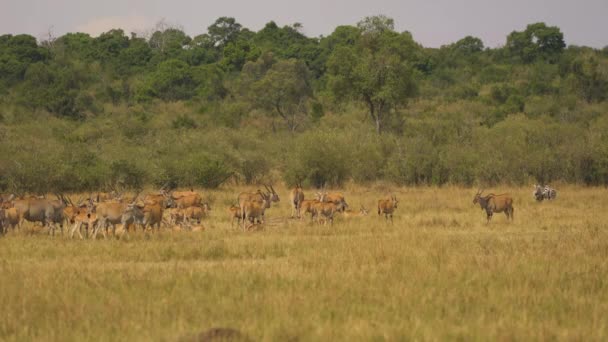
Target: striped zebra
544,192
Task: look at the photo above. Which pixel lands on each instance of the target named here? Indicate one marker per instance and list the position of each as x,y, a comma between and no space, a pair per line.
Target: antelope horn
272,188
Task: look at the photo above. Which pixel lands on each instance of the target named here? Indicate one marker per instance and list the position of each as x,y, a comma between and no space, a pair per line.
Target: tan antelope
306,207
148,214
333,197
495,204
10,218
48,212
258,196
326,210
196,213
235,213
176,216
186,201
254,210
3,229
354,214
109,214
296,196
86,219
387,207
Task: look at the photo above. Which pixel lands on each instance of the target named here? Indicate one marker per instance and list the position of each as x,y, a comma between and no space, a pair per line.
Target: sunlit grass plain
438,273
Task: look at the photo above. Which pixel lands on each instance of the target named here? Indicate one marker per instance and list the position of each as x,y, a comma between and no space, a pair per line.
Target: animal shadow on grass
217,335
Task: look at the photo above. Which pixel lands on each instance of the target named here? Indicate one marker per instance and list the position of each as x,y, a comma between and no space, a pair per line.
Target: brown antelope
254,210
86,219
327,210
191,200
353,214
235,213
296,196
387,207
258,196
48,212
148,214
197,213
333,197
11,218
161,199
495,204
307,207
180,194
2,219
109,213
176,215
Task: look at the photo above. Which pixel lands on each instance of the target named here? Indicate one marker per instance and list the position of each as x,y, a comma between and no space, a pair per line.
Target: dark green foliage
173,80
231,104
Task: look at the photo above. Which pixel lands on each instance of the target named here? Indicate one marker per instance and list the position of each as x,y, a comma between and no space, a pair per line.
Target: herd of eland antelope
99,212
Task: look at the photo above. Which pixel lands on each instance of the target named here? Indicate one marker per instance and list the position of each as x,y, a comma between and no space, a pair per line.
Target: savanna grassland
438,273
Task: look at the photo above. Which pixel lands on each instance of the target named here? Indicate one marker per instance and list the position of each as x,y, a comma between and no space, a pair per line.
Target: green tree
377,71
237,53
223,31
284,91
173,80
537,41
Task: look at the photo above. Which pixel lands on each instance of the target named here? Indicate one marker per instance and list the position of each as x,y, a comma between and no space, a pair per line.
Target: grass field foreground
438,273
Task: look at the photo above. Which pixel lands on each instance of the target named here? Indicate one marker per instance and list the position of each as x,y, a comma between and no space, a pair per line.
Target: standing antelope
259,197
332,197
307,207
296,196
495,204
327,210
254,210
387,207
235,213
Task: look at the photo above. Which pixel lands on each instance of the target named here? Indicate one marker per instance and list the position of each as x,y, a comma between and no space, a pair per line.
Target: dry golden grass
438,273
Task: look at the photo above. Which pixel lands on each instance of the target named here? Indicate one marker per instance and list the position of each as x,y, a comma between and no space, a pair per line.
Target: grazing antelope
296,196
495,204
387,207
353,214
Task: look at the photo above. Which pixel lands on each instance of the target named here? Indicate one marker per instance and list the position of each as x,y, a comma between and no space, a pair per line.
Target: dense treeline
364,103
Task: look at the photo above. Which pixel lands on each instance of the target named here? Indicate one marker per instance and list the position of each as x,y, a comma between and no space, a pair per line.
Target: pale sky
432,23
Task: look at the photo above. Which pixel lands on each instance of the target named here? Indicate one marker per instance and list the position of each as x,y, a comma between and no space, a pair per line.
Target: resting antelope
495,204
387,207
352,214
